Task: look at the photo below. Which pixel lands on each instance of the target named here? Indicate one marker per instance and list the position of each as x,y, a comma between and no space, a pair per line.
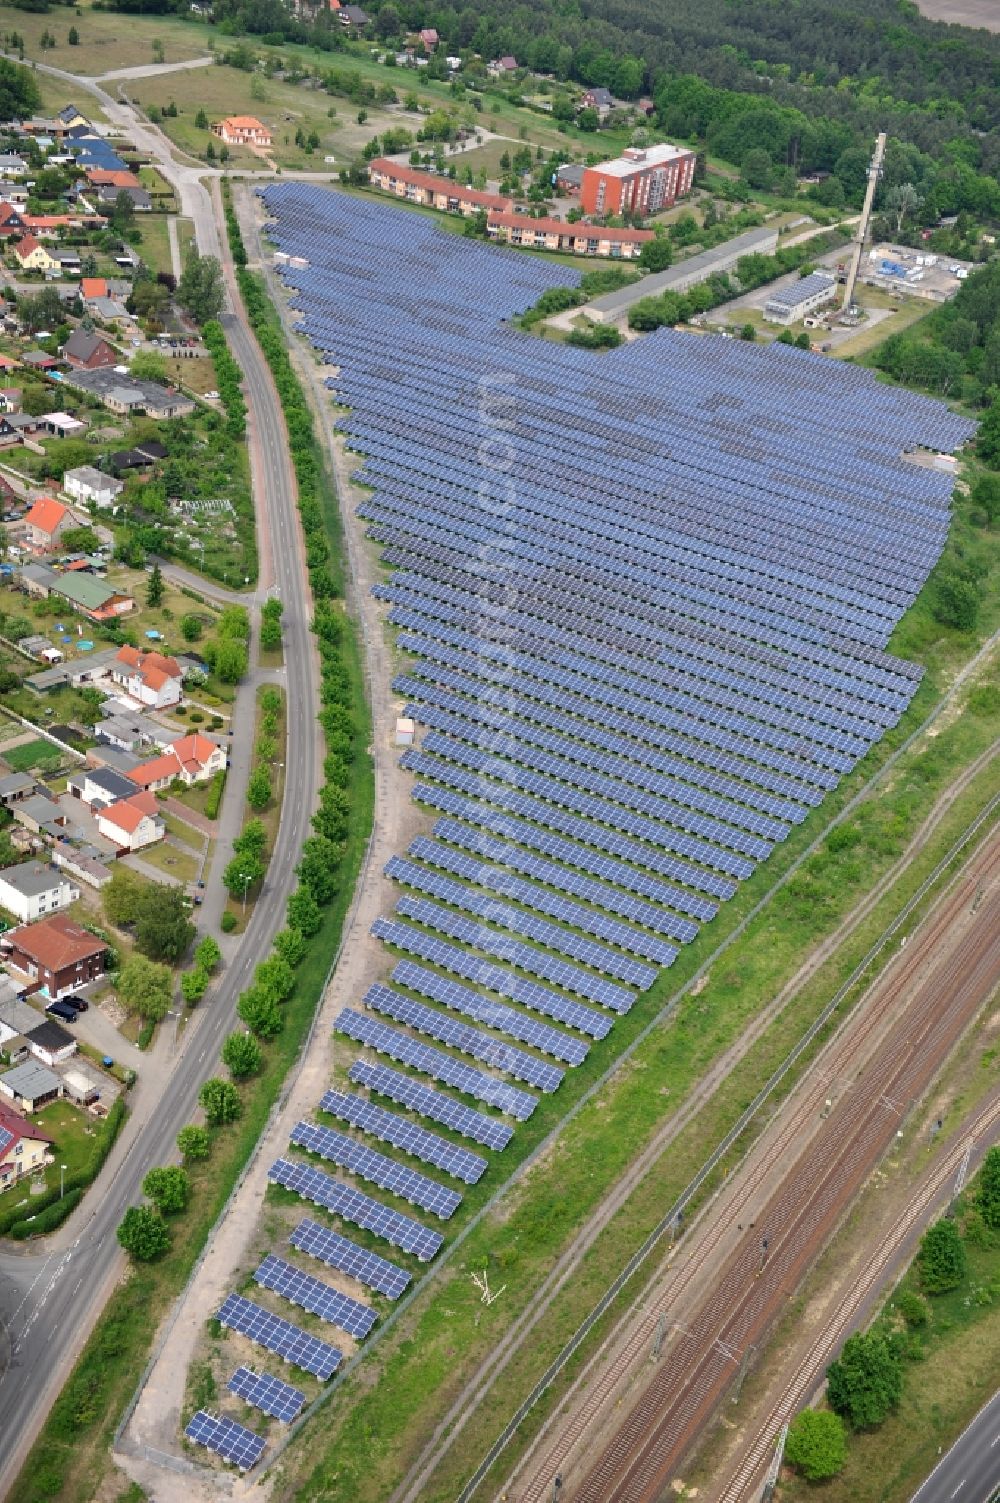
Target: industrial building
641,181
790,304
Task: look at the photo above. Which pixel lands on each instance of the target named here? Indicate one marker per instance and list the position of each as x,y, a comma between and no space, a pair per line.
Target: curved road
50,1300
970,1472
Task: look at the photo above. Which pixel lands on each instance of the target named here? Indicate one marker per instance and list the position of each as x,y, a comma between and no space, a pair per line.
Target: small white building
86,484
32,890
790,304
132,823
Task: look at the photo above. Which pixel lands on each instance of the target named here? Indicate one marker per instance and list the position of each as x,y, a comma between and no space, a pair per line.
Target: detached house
56,954
87,351
243,130
24,1148
132,822
87,484
191,759
45,523
30,890
148,677
31,255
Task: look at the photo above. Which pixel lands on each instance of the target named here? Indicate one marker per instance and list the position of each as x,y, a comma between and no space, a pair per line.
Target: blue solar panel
434,1105
313,1295
233,1442
280,1400
443,1067
340,1253
280,1336
338,1148
312,1184
413,1139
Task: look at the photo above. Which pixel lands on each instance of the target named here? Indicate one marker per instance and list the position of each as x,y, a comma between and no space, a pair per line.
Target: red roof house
56,954
191,759
148,677
44,523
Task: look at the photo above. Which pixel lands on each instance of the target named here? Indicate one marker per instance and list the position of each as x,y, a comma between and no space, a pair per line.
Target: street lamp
62,1180
245,878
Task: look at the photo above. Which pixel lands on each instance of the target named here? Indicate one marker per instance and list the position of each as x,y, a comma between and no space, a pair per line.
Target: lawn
107,40
73,1133
183,832
31,755
181,866
155,246
869,337
196,375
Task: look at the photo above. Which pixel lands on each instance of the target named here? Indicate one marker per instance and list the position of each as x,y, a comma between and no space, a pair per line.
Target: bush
941,1258
48,1219
988,1195
816,1444
227,923
866,1381
213,798
912,1308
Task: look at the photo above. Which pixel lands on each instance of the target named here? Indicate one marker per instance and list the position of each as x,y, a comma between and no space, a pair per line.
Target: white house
191,759
149,678
132,823
32,890
87,484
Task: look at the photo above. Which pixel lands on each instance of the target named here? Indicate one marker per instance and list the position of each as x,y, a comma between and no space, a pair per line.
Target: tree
220,1101
194,1142
270,632
122,217
956,602
291,945
757,168
19,93
200,290
231,660
121,898
656,255
143,1234
902,203
163,928
207,955
259,789
145,987
154,588
201,120
191,628
816,1444
73,37
275,978
941,1258
588,119
304,913
168,1188
80,540
194,984
260,1013
988,1195
241,1054
749,333
244,871
866,1381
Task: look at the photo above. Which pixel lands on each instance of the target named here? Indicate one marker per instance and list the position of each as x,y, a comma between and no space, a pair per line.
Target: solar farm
645,600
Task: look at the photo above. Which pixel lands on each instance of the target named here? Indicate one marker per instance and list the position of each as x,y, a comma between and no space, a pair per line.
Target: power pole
874,173
775,1467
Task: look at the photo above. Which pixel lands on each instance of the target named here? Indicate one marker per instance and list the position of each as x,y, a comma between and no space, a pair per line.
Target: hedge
48,1219
229,378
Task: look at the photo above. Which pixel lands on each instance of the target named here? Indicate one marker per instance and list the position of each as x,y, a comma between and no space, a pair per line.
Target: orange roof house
45,521
132,822
243,130
189,759
148,677
105,177
93,287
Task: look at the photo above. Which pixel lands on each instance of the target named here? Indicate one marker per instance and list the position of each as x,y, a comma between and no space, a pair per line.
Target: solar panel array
273,1397
333,1195
288,1341
315,1296
366,1163
647,598
340,1253
233,1442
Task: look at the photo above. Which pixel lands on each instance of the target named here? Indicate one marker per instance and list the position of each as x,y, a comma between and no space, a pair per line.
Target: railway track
700,1362
702,1359
749,1474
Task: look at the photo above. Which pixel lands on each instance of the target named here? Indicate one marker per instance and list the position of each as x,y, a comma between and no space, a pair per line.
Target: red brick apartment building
641,181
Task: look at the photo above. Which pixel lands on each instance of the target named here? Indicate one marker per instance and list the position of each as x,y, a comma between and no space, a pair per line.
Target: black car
63,1011
79,1004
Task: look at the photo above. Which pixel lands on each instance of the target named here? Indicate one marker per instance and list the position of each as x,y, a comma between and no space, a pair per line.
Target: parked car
79,1004
63,1011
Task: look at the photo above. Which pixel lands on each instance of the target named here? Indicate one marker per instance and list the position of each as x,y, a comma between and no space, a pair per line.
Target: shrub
866,1381
816,1444
912,1308
194,1142
227,923
941,1258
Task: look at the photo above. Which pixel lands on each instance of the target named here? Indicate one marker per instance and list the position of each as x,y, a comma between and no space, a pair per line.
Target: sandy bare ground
964,12
154,1429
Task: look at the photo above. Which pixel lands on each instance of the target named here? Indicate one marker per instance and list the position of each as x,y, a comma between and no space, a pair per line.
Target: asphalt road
50,1300
970,1472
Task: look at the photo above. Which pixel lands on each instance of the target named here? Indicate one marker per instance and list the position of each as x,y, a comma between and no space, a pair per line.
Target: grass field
107,40
33,754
